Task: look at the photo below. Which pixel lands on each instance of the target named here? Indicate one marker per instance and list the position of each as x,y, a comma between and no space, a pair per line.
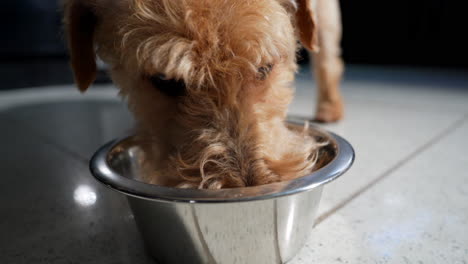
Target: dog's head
210,79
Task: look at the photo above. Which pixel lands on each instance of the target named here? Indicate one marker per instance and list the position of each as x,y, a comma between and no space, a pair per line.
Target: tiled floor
404,201
406,198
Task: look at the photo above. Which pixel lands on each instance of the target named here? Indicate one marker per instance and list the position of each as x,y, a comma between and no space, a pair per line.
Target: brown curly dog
209,81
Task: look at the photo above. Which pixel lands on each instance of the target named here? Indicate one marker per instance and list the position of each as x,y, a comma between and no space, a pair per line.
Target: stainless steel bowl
262,224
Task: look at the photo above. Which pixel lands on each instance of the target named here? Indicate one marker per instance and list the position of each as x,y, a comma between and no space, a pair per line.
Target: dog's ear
305,22
80,22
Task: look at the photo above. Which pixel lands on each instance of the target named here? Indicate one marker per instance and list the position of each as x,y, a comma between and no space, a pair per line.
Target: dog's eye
169,87
263,71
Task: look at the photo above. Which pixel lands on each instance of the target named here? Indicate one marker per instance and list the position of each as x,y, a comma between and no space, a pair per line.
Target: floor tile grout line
77,157
48,141
437,138
450,129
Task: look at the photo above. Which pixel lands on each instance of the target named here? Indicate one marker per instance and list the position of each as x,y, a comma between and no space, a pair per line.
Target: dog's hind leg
328,65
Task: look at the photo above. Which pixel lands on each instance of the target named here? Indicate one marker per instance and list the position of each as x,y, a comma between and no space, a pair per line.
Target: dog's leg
328,65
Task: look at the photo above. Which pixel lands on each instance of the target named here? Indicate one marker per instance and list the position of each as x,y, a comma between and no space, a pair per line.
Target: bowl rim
336,167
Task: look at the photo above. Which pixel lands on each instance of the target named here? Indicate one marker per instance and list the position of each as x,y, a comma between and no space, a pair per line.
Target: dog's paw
328,112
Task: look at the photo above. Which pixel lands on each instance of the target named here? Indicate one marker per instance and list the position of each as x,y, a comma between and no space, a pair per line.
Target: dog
209,81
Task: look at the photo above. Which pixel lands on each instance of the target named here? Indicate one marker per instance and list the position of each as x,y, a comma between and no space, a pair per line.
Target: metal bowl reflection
261,224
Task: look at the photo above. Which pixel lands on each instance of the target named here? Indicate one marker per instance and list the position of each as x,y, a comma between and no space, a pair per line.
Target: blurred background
420,33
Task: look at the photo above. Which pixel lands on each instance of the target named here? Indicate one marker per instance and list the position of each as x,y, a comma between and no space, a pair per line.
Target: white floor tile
383,132
407,88
382,137
418,214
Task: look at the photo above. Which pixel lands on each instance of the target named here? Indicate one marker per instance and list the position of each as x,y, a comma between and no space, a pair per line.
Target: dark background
412,32
421,33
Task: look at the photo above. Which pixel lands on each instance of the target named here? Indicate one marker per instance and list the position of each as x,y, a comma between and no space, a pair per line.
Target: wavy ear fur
304,16
305,22
80,22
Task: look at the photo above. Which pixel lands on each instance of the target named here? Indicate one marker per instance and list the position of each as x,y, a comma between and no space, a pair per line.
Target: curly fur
228,129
